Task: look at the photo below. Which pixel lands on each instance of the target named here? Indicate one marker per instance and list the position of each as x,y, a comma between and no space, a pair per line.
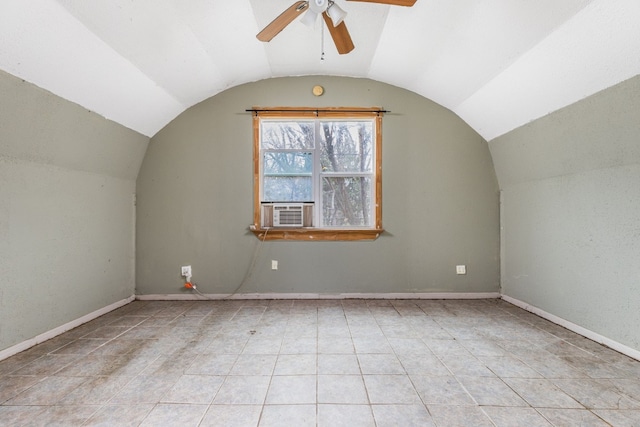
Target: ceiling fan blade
340,35
284,19
407,3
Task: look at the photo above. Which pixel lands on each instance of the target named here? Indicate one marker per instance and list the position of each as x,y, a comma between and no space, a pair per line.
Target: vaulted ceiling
498,64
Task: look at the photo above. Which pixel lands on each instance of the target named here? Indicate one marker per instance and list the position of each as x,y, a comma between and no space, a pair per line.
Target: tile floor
320,363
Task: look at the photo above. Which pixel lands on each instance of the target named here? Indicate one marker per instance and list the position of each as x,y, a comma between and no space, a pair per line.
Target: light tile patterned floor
320,363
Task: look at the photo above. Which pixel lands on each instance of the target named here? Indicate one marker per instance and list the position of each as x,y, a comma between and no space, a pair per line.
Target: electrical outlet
186,270
274,264
461,269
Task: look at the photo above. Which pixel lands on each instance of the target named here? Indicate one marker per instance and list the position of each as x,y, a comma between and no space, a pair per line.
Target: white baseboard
24,345
303,296
621,348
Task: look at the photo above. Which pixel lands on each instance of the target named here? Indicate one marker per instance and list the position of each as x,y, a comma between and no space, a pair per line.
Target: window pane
287,189
346,146
287,135
278,163
346,201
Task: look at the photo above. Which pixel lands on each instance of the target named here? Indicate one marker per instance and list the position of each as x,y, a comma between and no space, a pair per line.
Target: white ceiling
498,64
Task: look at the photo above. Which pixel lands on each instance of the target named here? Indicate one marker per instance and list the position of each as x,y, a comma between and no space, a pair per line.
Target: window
317,174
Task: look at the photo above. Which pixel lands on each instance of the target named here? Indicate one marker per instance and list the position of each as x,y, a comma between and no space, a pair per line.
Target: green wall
570,186
440,201
67,179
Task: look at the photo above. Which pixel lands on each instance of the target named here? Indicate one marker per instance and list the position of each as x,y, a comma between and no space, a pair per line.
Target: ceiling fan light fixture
318,6
309,18
336,13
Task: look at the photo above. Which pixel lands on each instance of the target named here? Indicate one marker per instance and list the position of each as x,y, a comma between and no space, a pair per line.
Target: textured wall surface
571,212
67,180
440,201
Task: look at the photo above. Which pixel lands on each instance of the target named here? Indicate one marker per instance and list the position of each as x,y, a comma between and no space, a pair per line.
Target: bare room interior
490,275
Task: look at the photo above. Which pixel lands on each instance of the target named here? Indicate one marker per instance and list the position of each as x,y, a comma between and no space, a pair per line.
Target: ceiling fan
332,14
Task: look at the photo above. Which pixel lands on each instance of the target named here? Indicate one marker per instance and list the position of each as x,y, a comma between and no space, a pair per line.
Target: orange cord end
188,285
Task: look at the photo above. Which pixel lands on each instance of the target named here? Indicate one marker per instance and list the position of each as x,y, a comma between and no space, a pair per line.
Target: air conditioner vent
287,216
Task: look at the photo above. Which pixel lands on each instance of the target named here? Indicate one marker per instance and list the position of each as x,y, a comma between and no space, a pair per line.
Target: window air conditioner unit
287,215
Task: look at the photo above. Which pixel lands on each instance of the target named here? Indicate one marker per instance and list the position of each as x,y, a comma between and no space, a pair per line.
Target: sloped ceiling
498,64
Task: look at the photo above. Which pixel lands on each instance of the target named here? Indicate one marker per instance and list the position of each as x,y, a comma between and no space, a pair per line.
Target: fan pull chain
321,41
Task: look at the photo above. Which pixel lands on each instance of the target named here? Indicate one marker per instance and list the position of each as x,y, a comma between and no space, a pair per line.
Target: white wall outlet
461,269
274,264
185,270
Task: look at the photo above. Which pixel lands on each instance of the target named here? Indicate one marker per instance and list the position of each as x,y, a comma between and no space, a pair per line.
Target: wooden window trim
317,234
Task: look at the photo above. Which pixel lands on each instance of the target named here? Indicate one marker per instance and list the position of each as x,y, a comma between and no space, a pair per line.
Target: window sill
316,234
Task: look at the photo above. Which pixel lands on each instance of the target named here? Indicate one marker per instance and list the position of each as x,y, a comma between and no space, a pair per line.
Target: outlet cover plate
185,270
461,269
